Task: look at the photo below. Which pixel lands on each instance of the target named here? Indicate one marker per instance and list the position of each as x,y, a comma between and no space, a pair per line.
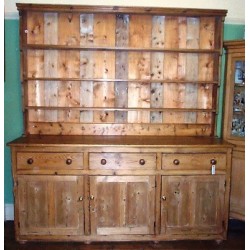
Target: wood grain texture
40,195
204,213
122,205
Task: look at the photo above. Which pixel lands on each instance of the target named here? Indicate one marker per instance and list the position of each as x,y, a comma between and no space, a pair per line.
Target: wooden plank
69,96
68,29
193,28
140,30
86,66
36,98
207,32
68,65
35,28
171,32
205,91
104,34
35,68
50,64
171,67
121,67
139,93
157,64
119,129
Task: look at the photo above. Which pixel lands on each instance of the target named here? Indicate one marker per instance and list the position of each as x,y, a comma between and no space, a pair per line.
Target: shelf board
120,109
119,80
115,48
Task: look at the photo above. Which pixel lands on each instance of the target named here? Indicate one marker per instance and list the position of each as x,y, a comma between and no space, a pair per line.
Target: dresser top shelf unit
103,70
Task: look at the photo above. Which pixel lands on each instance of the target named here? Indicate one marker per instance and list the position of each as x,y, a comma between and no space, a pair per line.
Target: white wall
236,8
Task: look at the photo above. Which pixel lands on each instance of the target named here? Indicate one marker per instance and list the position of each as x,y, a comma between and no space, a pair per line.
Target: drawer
36,160
122,161
193,161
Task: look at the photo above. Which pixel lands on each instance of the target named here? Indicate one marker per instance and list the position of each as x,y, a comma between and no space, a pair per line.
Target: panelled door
122,204
50,205
192,203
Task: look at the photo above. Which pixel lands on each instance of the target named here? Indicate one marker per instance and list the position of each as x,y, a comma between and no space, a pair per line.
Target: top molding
121,9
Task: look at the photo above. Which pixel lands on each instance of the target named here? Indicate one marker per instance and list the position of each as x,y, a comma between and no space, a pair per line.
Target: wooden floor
236,240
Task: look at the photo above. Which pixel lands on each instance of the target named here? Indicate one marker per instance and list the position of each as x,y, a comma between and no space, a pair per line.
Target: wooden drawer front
193,161
49,160
122,161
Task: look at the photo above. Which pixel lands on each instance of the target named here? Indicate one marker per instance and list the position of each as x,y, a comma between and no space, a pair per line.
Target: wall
236,9
13,123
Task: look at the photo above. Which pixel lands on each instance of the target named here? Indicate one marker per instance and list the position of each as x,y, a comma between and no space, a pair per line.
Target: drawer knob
213,161
30,161
103,161
176,162
142,162
68,161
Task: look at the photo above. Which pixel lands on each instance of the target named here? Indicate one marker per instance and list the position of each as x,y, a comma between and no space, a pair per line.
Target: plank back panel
120,72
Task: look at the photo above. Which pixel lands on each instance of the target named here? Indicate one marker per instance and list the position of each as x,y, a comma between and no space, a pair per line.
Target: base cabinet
110,193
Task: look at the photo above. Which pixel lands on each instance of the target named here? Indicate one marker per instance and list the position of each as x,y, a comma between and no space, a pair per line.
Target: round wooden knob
142,162
68,161
213,161
176,162
103,161
30,161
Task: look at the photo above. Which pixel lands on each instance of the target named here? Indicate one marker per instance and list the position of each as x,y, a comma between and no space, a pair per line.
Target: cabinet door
192,204
122,204
50,205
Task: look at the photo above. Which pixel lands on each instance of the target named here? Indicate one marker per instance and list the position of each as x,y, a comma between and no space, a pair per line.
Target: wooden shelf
120,109
127,49
120,80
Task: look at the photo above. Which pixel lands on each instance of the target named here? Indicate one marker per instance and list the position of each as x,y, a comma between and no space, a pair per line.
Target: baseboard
8,212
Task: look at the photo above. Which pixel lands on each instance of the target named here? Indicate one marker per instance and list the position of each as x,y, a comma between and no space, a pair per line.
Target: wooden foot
22,242
87,242
219,242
